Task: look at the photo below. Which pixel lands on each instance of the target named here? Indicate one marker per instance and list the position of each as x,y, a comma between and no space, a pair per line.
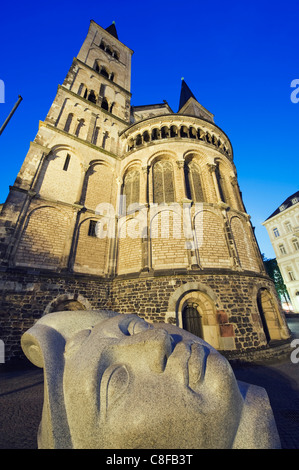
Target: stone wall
26,297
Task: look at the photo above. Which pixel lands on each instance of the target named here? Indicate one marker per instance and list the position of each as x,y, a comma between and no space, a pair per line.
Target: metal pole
10,114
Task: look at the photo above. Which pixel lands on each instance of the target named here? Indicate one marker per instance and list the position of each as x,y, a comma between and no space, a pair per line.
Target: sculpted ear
40,343
44,345
58,327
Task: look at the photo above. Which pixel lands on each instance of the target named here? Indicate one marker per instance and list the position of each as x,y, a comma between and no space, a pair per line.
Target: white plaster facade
283,230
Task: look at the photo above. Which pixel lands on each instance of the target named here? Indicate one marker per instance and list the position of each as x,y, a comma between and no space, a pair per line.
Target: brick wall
212,245
100,186
168,241
92,252
244,244
44,238
129,248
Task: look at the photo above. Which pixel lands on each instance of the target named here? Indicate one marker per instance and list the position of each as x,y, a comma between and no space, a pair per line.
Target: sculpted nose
148,350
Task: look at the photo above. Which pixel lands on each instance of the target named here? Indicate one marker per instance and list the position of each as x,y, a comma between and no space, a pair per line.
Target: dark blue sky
238,58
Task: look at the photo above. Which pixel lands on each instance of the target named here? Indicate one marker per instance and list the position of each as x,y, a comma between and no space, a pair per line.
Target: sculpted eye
115,381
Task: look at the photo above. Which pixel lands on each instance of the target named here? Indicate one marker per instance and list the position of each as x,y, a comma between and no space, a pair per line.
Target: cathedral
135,209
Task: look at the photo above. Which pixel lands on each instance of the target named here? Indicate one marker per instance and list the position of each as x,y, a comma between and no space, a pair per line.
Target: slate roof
286,204
186,93
112,30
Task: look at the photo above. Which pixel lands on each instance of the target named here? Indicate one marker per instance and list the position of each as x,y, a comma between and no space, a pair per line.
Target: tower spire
112,30
186,93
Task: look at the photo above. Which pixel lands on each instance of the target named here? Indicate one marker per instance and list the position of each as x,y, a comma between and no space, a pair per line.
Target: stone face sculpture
114,381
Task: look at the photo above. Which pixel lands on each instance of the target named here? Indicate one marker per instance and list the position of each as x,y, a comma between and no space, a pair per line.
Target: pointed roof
190,106
112,30
186,93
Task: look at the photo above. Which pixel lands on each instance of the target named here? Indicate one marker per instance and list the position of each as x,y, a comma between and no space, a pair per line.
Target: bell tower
101,75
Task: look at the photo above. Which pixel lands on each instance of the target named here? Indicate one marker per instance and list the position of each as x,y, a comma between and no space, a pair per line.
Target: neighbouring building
283,230
135,209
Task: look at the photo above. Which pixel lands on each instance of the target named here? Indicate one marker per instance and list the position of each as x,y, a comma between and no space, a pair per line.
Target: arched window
131,144
82,89
105,138
164,132
173,131
155,134
192,133
104,72
66,162
184,131
68,122
208,138
131,188
95,136
79,127
92,96
163,182
295,242
138,140
193,183
104,104
96,66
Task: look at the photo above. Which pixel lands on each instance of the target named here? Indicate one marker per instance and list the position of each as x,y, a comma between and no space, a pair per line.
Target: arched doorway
197,314
192,319
67,302
262,314
273,326
68,305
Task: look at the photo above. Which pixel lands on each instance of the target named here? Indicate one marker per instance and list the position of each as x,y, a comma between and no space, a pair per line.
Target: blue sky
238,58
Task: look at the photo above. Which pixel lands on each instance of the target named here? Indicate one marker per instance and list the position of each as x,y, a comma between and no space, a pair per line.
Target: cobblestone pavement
21,397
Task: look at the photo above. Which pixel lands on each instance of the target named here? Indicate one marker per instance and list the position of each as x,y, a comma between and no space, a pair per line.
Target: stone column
144,185
81,194
212,170
150,184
